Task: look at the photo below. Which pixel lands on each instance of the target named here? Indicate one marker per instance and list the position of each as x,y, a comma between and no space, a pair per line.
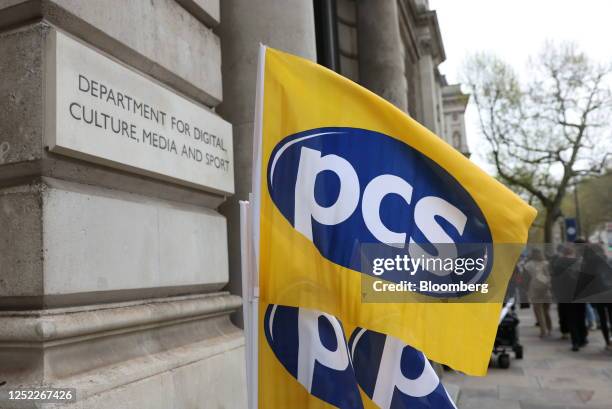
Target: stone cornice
452,94
429,36
32,328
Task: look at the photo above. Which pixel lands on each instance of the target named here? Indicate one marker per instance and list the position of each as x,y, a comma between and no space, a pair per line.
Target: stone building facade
124,282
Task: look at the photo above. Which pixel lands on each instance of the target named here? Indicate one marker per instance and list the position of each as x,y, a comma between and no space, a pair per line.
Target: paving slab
487,403
527,405
471,393
540,395
572,380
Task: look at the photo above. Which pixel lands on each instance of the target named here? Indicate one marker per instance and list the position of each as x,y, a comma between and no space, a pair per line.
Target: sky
514,30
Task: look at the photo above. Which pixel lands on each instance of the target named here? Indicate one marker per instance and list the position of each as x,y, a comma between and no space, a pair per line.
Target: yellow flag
340,169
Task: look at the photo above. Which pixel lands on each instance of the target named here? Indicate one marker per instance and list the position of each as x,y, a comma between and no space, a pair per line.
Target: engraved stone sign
99,110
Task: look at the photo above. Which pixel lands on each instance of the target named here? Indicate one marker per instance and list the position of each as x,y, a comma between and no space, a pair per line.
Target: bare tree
548,131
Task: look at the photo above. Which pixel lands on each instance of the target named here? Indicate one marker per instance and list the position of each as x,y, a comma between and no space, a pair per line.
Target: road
549,377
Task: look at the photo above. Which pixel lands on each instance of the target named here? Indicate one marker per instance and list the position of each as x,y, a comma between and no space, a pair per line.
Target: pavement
550,376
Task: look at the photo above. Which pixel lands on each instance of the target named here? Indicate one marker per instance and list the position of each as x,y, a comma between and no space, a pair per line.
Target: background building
404,70
122,284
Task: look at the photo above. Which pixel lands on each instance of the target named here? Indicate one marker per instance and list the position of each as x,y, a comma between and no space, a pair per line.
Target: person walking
604,310
597,265
577,308
539,289
577,325
562,264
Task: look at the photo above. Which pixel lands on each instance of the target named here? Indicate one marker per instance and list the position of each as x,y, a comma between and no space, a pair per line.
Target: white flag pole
250,304
249,246
257,141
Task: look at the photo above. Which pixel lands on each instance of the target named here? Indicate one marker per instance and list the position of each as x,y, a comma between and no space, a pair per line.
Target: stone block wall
110,281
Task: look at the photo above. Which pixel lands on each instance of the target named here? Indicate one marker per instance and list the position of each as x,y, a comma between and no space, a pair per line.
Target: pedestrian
597,264
539,289
562,276
577,309
577,325
605,318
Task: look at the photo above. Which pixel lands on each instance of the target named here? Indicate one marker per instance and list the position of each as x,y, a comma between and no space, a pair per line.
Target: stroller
507,335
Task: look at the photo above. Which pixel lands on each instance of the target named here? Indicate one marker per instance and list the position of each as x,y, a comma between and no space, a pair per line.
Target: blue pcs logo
343,187
312,348
395,375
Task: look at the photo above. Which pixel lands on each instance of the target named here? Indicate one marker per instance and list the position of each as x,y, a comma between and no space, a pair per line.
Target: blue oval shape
416,199
315,355
408,379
